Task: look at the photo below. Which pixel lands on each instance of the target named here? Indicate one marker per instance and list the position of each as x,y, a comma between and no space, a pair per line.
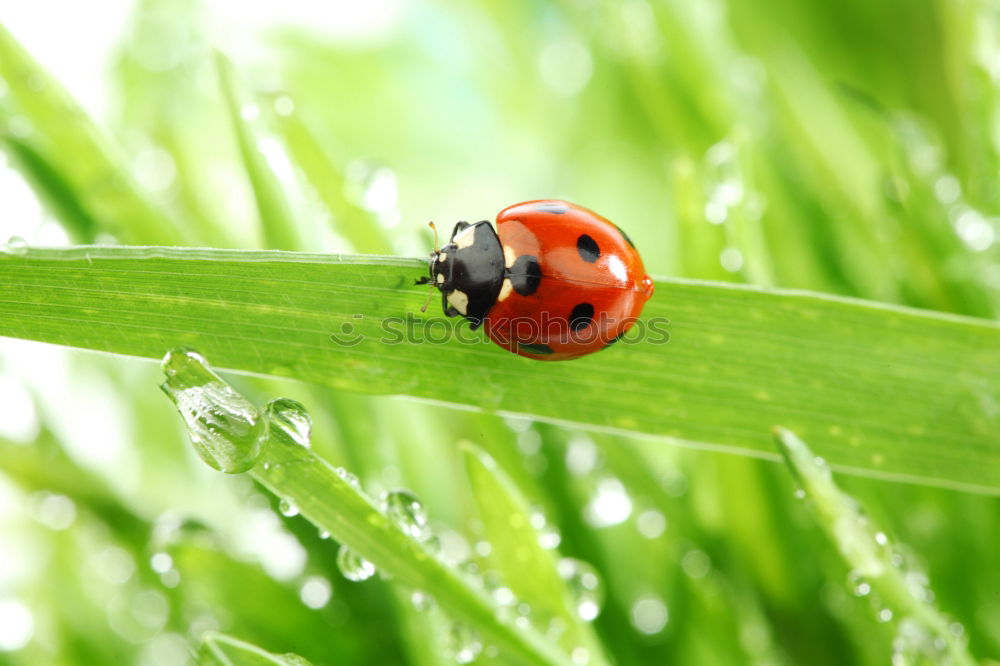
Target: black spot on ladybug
581,317
533,348
587,247
525,274
616,339
556,208
625,236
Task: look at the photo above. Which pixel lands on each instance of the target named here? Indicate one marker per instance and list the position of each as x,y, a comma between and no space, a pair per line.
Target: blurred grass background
848,148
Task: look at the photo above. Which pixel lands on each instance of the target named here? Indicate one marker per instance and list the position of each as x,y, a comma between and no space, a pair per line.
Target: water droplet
610,504
470,569
407,512
649,615
800,493
348,477
716,212
154,168
284,105
549,537
15,245
947,189
432,544
323,534
55,511
17,625
161,562
315,592
696,563
422,602
224,427
884,615
584,583
537,519
170,578
565,65
504,596
975,230
250,112
651,523
858,584
288,508
556,628
464,643
582,455
353,566
288,421
731,259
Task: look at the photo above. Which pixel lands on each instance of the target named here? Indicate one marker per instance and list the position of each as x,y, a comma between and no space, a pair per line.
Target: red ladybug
558,283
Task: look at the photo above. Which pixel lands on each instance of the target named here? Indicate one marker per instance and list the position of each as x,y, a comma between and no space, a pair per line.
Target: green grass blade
526,568
275,449
879,390
877,565
57,194
52,126
276,218
354,223
332,503
222,650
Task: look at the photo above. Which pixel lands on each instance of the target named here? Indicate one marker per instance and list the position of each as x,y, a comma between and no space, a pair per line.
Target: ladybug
554,281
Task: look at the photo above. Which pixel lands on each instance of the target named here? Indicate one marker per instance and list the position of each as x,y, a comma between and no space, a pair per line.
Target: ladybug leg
422,280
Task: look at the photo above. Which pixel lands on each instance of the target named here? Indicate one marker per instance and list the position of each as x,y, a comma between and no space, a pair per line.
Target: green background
847,149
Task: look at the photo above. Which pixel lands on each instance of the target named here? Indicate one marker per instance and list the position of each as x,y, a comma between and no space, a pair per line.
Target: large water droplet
353,566
14,245
465,644
407,511
584,583
225,428
288,421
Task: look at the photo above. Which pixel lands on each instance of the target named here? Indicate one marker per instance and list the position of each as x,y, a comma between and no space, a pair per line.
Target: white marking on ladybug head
505,289
442,256
509,256
440,278
465,238
459,300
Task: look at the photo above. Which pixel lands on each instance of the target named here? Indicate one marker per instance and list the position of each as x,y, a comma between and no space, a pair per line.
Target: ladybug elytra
555,281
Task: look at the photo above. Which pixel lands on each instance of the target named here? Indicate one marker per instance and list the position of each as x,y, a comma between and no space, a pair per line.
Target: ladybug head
468,271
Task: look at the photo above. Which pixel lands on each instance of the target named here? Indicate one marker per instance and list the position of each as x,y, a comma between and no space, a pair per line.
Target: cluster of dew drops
408,513
229,433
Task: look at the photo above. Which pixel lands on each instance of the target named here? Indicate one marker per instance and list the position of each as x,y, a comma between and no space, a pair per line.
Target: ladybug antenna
435,229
